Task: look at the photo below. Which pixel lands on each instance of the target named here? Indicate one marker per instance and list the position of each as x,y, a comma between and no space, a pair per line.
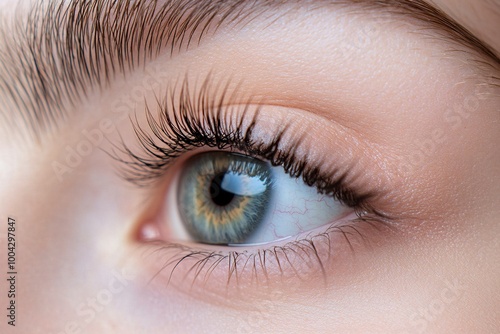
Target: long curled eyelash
200,120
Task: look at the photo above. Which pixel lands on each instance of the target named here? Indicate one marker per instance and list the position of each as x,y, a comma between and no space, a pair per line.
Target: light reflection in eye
228,198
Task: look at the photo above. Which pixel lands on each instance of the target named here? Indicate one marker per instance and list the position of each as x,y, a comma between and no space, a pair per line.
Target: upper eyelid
183,124
47,79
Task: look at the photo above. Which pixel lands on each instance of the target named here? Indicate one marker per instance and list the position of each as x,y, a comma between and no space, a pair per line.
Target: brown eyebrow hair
60,52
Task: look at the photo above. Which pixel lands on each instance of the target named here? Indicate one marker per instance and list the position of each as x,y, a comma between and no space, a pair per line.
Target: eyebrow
59,53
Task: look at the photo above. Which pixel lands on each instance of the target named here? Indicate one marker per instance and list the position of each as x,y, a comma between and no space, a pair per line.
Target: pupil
218,195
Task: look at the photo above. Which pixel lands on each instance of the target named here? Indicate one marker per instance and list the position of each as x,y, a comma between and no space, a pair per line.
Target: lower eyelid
313,259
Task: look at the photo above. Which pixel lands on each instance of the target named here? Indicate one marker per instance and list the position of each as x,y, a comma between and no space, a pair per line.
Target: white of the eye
295,208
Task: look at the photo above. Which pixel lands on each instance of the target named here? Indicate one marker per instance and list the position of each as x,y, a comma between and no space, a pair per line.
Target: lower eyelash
183,264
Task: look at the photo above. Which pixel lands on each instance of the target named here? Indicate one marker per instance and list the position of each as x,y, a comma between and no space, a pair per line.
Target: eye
243,189
233,199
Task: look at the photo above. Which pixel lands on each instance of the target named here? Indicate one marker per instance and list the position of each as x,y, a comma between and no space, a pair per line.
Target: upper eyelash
202,121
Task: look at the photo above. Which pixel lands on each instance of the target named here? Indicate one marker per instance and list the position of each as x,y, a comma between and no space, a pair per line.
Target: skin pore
408,115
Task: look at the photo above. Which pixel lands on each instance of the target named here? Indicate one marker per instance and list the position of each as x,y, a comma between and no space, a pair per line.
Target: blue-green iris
223,197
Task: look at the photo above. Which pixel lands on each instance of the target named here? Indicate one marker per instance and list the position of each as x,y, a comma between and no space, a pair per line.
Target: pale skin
415,119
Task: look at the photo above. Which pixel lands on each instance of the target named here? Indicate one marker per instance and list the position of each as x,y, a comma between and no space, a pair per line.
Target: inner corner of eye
225,198
149,232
